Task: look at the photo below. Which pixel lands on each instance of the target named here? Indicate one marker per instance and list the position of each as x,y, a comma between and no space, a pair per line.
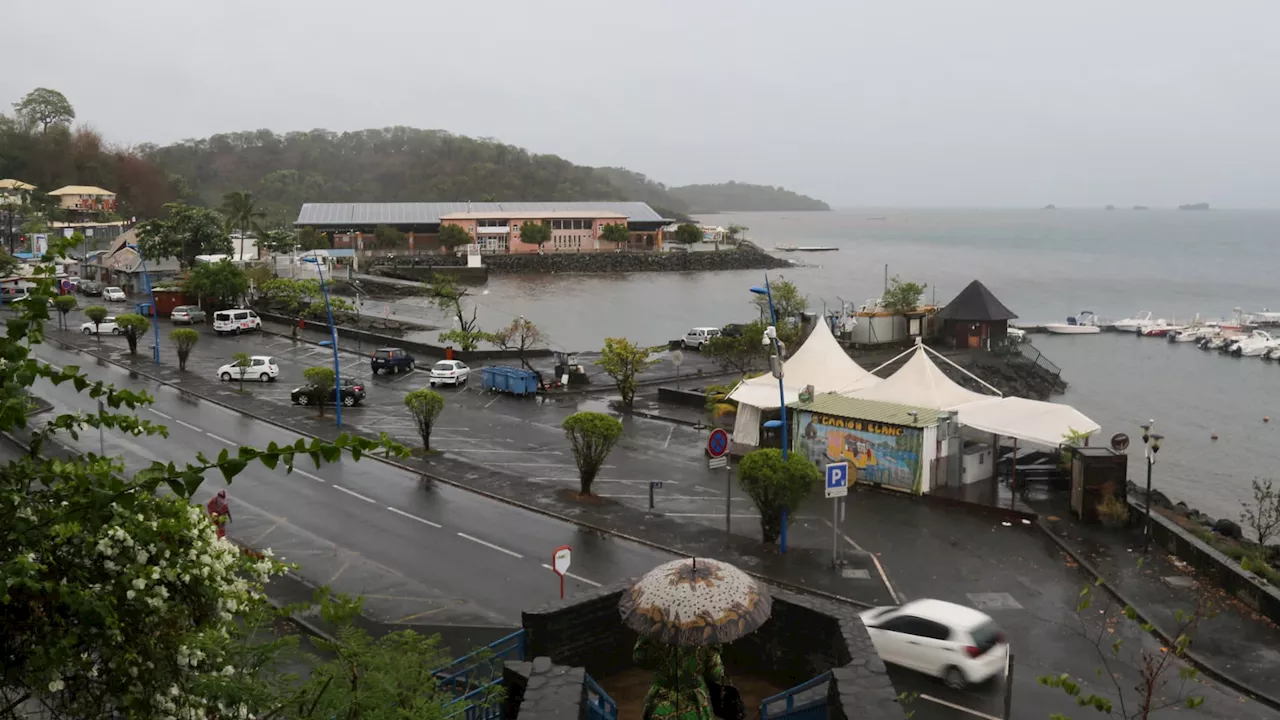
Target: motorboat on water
1220,341
1193,334
1016,335
1159,328
1083,323
1254,344
1132,324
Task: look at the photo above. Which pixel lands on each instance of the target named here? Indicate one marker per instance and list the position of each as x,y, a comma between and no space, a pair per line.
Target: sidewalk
1235,643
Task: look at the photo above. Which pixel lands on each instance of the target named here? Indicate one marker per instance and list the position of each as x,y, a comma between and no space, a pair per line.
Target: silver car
189,314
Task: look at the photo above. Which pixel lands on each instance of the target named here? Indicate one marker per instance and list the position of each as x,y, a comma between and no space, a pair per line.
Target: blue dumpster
516,381
143,309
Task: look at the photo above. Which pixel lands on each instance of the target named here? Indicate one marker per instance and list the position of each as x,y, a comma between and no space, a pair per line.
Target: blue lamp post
155,311
333,341
782,395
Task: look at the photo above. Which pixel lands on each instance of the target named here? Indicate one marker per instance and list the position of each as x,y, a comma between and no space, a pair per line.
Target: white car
261,368
450,372
236,321
953,642
699,336
114,294
108,325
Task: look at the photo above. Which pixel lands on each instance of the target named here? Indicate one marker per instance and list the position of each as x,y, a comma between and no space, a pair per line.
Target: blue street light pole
155,312
782,395
333,341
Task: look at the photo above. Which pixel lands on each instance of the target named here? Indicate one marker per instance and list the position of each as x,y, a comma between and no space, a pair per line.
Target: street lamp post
333,341
155,311
782,394
1150,446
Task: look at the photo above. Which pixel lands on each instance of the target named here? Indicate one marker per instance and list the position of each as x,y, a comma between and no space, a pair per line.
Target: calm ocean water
1044,265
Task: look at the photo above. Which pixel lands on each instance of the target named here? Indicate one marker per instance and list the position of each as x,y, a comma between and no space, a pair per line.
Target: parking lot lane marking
353,493
579,578
954,706
306,474
678,497
189,426
669,434
414,517
490,545
222,440
495,399
897,599
487,451
166,417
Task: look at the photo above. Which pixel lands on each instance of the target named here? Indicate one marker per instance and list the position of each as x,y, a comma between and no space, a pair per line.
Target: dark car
733,330
352,393
390,360
89,287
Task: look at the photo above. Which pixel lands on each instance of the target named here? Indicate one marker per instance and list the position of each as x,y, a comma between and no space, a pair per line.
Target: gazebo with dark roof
975,318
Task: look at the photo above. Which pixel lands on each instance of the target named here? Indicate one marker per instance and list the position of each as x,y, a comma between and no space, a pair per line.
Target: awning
1041,423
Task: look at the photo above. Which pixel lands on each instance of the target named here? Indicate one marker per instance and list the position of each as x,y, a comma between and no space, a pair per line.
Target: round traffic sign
1119,442
718,443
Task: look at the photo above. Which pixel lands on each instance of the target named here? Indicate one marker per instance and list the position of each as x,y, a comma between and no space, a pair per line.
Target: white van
699,336
236,321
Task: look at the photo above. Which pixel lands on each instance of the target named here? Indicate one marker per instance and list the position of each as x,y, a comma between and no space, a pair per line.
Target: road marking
166,417
306,474
516,452
414,517
677,497
579,578
897,599
189,426
670,432
490,545
219,439
954,706
495,399
353,493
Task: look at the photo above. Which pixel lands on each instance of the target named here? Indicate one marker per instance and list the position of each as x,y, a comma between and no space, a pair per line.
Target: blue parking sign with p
837,479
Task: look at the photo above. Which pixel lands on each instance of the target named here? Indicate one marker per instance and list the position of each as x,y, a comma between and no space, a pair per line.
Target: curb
1219,675
493,496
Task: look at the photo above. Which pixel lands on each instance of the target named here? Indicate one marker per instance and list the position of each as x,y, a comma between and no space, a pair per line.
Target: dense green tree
616,233
789,304
454,236
389,238
278,241
224,282
535,233
132,326
322,380
96,314
902,297
774,485
743,197
44,107
64,304
736,232
687,234
741,353
623,360
592,436
184,341
185,233
310,239
425,406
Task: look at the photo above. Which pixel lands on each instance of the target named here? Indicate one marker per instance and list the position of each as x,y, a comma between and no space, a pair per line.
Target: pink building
498,233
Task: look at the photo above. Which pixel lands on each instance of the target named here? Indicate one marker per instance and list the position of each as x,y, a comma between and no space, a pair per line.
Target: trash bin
143,309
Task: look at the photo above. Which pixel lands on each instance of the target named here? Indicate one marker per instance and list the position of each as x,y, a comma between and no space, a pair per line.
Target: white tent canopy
1041,423
819,362
919,382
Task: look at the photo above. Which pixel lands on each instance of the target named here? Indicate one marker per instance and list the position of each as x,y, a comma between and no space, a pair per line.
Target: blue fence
474,678
807,701
599,705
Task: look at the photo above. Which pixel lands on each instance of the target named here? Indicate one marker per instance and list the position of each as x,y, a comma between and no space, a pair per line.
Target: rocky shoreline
745,256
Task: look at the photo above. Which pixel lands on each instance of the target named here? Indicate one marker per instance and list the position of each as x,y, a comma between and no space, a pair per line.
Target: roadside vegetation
184,341
623,361
775,485
132,326
592,436
425,405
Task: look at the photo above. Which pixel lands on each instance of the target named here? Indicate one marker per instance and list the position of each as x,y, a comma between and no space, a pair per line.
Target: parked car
236,321
391,360
699,336
733,330
114,294
450,372
189,314
89,287
352,393
261,368
108,325
953,642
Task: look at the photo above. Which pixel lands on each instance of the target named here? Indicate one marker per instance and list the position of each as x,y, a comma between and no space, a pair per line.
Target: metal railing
795,707
1025,353
474,678
599,705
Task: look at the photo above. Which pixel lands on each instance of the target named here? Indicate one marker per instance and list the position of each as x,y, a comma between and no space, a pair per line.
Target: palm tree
242,214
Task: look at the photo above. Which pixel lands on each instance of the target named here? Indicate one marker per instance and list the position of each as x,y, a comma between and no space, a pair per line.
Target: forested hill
743,197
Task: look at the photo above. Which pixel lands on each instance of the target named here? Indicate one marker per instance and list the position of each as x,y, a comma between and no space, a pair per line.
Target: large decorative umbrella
695,601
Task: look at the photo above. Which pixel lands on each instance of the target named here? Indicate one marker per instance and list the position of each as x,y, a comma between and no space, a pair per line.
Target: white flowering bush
117,599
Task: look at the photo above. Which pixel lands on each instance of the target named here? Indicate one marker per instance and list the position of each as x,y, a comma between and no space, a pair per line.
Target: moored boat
1133,323
1083,323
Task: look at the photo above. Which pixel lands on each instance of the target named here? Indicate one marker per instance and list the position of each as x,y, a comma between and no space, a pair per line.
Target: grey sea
1043,264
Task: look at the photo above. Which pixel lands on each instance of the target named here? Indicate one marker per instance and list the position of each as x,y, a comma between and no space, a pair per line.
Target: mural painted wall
877,453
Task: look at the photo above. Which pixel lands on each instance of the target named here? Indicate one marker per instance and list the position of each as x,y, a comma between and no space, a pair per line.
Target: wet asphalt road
481,561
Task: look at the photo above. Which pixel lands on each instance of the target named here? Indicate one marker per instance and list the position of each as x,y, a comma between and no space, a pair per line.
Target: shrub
322,380
425,406
184,339
592,435
774,485
132,326
1113,511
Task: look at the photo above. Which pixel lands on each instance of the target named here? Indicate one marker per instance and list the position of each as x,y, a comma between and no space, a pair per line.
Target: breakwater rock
743,257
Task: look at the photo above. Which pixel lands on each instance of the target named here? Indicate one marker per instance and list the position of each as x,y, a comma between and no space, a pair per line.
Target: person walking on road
220,510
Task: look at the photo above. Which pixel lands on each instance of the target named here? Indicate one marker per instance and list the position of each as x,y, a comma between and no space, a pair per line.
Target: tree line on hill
38,145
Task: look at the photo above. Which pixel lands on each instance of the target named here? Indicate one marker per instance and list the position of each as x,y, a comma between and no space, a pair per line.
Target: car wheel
304,400
264,377
432,383
684,345
411,365
226,377
349,401
953,678
115,331
87,331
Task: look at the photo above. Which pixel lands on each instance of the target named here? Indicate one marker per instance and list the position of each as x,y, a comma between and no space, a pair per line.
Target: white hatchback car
108,325
261,368
114,294
699,336
450,372
953,642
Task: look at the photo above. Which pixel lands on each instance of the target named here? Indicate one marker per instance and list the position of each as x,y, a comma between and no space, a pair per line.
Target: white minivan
236,321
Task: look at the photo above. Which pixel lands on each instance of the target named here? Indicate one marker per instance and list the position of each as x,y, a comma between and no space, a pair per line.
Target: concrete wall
804,637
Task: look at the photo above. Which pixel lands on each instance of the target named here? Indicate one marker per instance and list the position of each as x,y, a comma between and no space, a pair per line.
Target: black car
352,393
390,360
733,330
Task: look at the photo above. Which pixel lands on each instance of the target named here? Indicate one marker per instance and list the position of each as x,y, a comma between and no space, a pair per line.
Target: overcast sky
942,103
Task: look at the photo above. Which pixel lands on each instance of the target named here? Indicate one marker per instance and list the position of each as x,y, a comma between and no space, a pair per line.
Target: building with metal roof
353,215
